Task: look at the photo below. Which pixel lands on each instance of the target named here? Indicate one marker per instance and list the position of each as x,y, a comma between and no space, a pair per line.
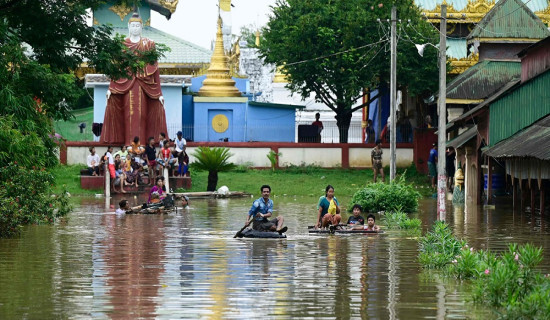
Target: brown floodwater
99,265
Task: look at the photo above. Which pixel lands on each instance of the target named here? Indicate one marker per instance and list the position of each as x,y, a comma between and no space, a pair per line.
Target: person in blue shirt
261,210
432,164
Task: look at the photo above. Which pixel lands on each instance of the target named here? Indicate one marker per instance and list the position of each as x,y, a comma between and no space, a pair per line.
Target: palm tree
213,160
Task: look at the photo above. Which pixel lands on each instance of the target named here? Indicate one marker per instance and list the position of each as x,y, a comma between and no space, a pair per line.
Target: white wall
327,157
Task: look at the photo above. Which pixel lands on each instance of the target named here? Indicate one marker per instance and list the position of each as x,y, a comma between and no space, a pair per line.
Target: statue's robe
134,108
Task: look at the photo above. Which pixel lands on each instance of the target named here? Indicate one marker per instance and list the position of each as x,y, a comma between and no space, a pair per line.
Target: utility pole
442,110
393,88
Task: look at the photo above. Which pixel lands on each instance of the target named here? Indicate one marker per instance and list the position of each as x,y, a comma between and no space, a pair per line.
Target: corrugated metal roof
483,79
533,141
488,101
463,138
183,52
510,19
457,48
534,5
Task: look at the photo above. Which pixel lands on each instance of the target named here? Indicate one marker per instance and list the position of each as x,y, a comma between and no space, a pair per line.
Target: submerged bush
400,220
26,198
395,196
509,282
439,247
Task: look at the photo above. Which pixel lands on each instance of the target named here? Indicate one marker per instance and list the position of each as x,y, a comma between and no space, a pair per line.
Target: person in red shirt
319,125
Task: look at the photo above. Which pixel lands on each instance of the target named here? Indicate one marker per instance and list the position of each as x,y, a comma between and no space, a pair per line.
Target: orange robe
134,108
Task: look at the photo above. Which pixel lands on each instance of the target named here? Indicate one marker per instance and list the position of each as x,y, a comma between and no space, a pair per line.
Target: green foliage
334,49
509,282
26,198
272,156
213,160
395,196
244,167
400,220
511,279
439,247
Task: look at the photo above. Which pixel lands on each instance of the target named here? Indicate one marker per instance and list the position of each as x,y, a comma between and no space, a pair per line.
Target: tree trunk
212,180
343,120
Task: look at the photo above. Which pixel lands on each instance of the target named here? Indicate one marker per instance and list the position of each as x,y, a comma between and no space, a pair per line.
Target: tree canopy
336,48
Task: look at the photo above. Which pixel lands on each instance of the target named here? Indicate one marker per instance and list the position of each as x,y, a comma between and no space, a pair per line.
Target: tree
336,48
41,43
213,160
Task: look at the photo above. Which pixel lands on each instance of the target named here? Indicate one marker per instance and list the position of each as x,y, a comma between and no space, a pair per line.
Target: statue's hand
108,94
161,99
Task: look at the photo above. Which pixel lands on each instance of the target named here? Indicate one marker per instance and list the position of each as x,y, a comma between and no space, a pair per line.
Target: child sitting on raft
370,226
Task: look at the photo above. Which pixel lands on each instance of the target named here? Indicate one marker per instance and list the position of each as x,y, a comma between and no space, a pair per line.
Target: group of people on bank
132,162
328,214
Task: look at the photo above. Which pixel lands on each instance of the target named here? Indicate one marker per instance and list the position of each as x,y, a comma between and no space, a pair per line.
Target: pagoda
462,17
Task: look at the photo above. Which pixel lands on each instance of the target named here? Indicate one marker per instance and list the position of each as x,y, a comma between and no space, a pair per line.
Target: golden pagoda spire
218,82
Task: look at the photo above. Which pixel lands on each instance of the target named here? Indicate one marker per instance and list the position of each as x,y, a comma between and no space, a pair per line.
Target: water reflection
187,265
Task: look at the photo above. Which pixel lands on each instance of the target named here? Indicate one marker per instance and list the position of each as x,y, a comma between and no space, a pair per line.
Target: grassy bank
69,129
299,181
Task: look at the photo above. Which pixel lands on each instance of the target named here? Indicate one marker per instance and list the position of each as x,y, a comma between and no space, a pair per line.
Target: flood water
97,265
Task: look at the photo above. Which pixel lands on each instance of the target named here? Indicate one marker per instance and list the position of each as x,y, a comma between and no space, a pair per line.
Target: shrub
509,282
272,156
400,220
26,198
213,160
396,196
439,247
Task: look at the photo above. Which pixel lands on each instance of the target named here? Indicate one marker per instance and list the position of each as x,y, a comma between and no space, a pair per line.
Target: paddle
240,231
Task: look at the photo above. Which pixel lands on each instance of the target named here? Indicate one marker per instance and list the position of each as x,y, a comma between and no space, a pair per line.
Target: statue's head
135,25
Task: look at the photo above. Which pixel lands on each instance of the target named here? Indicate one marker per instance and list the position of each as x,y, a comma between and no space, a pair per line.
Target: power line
337,53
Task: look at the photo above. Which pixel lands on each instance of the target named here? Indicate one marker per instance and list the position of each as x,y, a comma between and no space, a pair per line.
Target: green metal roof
510,19
183,52
519,108
457,48
275,105
483,79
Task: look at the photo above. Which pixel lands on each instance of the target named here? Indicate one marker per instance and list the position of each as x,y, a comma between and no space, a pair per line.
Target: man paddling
261,210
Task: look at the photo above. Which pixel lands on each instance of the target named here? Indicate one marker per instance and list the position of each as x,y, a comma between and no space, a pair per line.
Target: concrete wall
232,108
270,124
255,154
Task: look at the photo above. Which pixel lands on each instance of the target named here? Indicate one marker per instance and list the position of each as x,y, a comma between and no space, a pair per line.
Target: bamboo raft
211,194
311,229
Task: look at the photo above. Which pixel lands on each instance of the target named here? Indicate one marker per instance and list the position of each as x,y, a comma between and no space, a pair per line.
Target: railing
272,131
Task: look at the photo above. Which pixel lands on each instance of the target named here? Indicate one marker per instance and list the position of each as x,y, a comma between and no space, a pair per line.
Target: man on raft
261,210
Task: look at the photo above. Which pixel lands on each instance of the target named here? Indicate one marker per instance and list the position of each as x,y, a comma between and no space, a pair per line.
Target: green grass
299,181
69,176
70,130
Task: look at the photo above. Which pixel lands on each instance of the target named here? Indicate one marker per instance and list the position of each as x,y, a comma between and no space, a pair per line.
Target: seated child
370,224
356,218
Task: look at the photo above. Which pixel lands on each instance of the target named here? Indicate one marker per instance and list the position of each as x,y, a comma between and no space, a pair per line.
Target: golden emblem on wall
220,123
121,10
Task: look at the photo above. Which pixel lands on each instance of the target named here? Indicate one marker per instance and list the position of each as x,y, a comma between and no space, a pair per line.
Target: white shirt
180,144
110,157
94,159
